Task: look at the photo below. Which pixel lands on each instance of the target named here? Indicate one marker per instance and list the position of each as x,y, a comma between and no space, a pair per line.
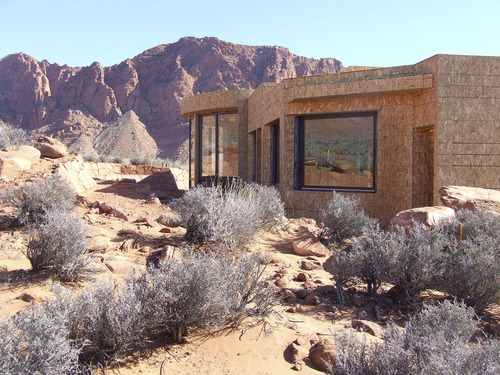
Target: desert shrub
90,157
411,261
471,267
231,216
34,200
435,341
10,136
35,342
58,243
108,318
344,218
117,159
209,291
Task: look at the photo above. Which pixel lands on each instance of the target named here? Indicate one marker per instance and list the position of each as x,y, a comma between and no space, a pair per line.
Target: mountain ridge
69,102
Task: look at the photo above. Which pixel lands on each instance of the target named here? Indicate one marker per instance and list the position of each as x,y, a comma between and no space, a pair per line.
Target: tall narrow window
275,155
208,147
218,147
192,137
228,145
336,152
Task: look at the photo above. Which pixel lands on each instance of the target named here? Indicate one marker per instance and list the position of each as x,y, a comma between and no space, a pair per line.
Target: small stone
322,354
308,266
26,297
298,365
106,208
154,200
312,300
166,230
302,277
302,293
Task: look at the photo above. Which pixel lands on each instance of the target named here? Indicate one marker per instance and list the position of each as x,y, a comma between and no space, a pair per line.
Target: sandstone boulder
322,354
470,198
306,243
50,147
371,328
14,162
295,352
343,166
428,216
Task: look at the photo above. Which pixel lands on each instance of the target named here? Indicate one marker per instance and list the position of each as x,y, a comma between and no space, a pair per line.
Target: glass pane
192,128
338,152
208,137
228,145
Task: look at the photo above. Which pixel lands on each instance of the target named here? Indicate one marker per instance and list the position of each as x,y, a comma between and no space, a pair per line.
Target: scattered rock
428,216
106,208
166,230
289,296
302,293
294,353
116,213
298,365
27,297
169,221
372,328
306,243
322,354
308,266
50,147
302,277
470,198
312,300
154,200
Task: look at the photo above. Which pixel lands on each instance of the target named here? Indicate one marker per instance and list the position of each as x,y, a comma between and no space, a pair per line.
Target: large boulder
428,216
470,198
50,147
306,243
322,354
14,162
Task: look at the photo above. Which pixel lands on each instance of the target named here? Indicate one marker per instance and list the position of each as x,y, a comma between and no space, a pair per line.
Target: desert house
390,136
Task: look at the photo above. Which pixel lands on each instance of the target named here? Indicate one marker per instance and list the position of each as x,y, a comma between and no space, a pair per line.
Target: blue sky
369,33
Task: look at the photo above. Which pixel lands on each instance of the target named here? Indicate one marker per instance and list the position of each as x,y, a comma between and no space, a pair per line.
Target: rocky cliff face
78,104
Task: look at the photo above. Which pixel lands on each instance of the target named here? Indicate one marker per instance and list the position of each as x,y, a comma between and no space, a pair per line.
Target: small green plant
343,218
34,200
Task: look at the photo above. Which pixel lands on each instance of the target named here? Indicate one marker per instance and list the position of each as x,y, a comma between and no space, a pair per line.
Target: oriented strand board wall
468,125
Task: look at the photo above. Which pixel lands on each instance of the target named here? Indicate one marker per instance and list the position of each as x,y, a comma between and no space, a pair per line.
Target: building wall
468,131
438,124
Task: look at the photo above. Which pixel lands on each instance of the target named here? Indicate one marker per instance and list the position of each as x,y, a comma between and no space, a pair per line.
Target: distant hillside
139,96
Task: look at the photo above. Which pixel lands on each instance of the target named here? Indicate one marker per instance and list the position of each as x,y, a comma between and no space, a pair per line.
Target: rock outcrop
76,104
470,198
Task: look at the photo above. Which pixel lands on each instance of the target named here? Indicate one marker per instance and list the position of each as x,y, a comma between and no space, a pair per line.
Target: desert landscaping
307,301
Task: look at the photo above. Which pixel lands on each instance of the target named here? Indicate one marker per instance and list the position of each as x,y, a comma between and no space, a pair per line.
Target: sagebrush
57,242
33,200
232,215
11,136
343,218
434,342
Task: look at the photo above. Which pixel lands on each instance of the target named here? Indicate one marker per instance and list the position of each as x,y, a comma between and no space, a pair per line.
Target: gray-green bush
435,341
343,218
230,216
209,291
471,267
33,200
58,243
10,136
36,342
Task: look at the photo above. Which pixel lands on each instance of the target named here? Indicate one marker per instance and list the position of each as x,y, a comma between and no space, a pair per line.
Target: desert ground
122,244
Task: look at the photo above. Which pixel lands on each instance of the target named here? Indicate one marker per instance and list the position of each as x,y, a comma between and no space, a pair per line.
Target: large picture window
336,152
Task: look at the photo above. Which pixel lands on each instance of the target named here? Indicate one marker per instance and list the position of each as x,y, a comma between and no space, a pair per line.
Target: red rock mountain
139,96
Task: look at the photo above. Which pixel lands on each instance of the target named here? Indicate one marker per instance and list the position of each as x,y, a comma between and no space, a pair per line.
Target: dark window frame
299,153
216,180
274,173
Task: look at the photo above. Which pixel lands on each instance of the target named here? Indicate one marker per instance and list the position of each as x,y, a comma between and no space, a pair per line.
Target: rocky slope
77,103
